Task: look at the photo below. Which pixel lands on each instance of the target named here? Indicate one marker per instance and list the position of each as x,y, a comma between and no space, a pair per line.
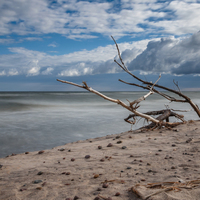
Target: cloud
86,19
13,72
34,69
32,39
47,71
2,73
96,61
53,44
170,55
6,41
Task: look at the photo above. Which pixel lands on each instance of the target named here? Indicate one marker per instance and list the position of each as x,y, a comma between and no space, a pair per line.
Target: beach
106,167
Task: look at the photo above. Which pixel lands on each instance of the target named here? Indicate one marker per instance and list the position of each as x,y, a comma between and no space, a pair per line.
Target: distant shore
103,167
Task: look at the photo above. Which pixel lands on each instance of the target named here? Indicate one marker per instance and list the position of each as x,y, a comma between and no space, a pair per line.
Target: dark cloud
170,55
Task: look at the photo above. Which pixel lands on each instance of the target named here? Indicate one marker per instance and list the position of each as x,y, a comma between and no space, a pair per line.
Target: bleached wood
85,86
179,93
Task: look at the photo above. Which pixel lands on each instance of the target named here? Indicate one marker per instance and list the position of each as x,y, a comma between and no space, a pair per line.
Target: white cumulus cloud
84,19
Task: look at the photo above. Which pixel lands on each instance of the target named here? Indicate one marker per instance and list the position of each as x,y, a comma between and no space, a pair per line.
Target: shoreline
92,168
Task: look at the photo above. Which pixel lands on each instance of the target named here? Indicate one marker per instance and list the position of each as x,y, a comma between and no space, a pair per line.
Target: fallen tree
163,115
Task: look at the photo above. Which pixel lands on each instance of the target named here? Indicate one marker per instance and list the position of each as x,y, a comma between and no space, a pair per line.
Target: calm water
35,121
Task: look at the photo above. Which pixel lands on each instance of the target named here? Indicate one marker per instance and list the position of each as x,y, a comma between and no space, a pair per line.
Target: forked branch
155,121
85,86
179,93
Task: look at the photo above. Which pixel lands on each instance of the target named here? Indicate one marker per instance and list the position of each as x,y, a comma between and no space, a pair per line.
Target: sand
91,169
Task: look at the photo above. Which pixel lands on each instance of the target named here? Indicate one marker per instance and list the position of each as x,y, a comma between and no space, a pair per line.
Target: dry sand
134,157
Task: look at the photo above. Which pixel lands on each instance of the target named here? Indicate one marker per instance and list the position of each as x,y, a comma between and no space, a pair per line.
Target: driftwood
153,189
147,84
163,115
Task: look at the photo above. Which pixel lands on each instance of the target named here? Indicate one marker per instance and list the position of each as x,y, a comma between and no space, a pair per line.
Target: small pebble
160,150
173,167
62,149
124,147
128,168
97,198
39,188
131,155
102,160
188,140
117,194
109,145
43,184
118,142
99,189
69,150
75,198
22,189
99,147
37,181
73,159
96,193
173,145
148,164
87,156
117,137
130,136
105,185
40,173
27,152
68,199
67,173
96,175
143,179
40,152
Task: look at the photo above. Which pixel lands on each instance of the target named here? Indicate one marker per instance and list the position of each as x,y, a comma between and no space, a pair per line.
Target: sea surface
33,121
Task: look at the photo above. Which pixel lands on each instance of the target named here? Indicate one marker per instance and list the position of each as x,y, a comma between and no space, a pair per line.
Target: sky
45,40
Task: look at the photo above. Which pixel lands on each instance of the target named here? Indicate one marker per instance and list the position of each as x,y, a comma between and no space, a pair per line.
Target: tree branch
112,100
187,99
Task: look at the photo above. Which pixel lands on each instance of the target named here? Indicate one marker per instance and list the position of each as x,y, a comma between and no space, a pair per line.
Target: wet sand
103,167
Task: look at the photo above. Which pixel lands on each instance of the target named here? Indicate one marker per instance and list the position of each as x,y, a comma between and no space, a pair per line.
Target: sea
33,121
